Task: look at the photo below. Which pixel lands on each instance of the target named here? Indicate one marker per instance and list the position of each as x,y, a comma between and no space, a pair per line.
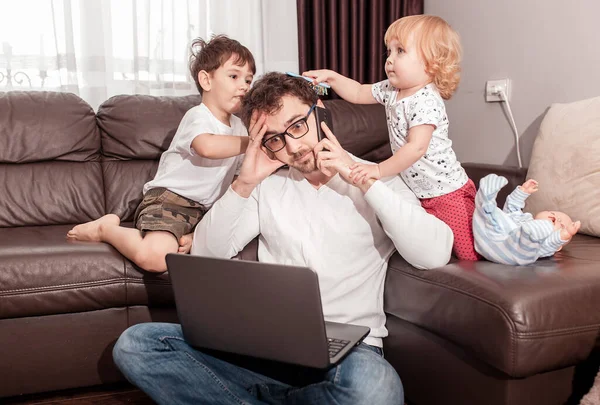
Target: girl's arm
348,89
417,143
219,146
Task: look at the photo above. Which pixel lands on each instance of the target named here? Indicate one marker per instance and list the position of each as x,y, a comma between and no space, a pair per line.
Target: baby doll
510,236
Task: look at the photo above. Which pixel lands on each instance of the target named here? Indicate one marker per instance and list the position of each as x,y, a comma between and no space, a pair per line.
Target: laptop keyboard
335,345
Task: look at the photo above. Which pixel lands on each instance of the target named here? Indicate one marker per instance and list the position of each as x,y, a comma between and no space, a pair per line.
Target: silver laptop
268,311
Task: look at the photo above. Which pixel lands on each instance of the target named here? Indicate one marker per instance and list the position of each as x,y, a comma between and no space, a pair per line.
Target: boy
196,169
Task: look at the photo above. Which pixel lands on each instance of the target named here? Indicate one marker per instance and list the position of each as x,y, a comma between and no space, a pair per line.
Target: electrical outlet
493,89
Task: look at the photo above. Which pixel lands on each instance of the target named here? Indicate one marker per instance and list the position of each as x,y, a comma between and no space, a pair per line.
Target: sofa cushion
49,161
123,184
519,320
566,163
40,126
50,193
43,274
141,127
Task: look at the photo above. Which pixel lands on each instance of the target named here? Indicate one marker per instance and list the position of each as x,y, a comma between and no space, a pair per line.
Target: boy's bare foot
90,231
185,243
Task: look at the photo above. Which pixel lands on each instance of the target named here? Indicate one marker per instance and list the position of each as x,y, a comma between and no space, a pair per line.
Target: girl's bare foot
90,231
185,243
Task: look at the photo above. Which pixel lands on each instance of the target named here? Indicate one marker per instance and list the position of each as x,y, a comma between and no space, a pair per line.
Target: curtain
347,35
101,48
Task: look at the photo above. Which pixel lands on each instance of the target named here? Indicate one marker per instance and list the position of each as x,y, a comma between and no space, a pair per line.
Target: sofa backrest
135,131
50,169
62,164
361,129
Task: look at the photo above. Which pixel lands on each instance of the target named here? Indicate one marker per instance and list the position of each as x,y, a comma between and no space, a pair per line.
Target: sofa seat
44,274
519,320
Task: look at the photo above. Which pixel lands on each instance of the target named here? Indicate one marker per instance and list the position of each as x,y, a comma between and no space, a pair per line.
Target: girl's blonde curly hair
438,45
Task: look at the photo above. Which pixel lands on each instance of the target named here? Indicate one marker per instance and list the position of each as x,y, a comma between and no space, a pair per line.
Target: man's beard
304,167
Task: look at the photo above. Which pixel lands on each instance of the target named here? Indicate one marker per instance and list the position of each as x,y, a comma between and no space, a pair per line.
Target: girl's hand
362,172
320,76
530,186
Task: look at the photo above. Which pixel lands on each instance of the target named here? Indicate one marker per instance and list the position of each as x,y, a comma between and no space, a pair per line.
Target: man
311,215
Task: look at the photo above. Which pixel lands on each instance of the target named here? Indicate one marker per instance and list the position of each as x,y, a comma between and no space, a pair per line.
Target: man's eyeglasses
297,130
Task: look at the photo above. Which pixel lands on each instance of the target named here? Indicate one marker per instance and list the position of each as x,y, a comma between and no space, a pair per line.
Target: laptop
268,311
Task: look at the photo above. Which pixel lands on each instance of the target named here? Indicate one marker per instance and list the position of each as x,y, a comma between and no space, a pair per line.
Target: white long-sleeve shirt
345,236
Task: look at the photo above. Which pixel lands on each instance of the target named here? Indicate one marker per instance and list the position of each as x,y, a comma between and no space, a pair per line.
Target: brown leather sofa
467,333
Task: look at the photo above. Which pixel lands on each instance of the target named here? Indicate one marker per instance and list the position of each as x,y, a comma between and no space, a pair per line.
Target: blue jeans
156,358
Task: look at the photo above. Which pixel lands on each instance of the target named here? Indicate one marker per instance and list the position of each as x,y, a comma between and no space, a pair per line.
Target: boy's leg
164,210
166,219
90,231
185,243
156,358
147,252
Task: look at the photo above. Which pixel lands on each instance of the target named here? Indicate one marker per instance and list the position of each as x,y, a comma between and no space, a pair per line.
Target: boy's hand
362,172
320,76
185,243
530,186
258,164
568,231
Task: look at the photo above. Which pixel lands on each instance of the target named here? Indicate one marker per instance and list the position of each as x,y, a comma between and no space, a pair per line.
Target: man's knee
129,343
381,388
373,380
138,339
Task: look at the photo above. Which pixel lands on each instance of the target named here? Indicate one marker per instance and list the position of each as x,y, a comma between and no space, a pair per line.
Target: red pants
456,210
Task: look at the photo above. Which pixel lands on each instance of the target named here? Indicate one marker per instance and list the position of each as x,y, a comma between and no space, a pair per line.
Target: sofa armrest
515,175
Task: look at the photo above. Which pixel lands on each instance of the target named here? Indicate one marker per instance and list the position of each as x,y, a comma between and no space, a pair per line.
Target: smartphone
323,115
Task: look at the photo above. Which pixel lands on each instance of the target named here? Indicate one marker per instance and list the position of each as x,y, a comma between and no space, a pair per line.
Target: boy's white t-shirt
183,171
438,172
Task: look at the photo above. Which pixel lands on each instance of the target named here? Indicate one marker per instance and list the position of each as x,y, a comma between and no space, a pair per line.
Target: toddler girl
423,70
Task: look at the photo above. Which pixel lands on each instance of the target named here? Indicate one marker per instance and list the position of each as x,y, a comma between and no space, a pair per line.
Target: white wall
280,35
268,28
550,49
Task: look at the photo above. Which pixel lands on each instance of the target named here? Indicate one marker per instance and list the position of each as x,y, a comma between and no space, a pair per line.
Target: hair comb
320,88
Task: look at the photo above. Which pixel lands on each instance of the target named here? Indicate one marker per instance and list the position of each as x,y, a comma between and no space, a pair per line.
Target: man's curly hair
267,92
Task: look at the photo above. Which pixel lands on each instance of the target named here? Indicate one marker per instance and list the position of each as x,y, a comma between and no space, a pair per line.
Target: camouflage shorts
164,210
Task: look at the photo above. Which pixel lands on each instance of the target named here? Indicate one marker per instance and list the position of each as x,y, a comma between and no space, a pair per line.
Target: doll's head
559,219
436,44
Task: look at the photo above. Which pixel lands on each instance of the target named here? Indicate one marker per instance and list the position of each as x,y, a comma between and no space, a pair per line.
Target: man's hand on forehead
257,164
